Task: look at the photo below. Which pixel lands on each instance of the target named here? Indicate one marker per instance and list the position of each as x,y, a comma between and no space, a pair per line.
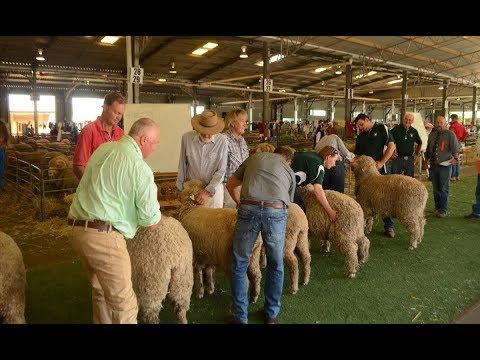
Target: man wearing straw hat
203,155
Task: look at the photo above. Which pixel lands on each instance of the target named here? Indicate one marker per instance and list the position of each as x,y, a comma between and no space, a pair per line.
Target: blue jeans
251,220
402,166
2,170
456,170
441,186
476,207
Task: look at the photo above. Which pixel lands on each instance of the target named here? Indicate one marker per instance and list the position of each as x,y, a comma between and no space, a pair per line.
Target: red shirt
91,137
459,130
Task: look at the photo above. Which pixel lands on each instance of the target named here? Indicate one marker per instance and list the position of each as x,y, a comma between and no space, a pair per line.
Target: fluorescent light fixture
40,56
394,81
109,40
370,92
162,80
172,69
338,72
210,45
440,88
199,51
320,69
273,59
370,73
282,90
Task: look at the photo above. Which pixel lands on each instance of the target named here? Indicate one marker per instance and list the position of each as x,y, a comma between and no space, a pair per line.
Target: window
198,108
318,112
22,114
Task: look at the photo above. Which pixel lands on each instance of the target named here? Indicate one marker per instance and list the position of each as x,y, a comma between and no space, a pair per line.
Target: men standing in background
100,131
461,133
375,141
475,214
442,153
237,148
203,155
407,146
115,196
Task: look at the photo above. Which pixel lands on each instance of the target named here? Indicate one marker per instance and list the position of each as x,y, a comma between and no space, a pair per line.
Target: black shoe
472,216
389,232
231,320
267,319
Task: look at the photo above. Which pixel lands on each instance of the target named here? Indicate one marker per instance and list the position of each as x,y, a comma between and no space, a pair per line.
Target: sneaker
441,214
452,178
472,216
389,232
458,178
231,320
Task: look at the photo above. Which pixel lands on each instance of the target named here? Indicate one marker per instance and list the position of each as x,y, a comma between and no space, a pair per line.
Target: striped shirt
237,153
204,161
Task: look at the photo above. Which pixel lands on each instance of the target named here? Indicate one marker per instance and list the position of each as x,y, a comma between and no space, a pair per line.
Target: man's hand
202,197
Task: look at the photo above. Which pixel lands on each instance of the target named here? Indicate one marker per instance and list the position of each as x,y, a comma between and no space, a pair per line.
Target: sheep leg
368,225
363,247
13,313
413,228
263,259
198,280
179,292
304,253
210,279
325,245
254,272
150,297
349,251
421,225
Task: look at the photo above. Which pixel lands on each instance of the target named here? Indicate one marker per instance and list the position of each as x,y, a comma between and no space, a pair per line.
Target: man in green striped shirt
115,196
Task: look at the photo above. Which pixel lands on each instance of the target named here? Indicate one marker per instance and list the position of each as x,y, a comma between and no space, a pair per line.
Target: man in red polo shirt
102,130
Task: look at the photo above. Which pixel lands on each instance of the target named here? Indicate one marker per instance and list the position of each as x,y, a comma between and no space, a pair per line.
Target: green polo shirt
405,140
371,142
118,188
308,168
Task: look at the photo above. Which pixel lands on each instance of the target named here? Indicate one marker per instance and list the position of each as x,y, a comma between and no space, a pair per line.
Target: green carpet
430,285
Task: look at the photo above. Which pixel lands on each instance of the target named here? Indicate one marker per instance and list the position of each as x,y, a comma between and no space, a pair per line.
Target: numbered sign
267,85
136,75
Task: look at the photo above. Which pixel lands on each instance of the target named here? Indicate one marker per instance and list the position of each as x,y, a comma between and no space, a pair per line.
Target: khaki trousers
106,260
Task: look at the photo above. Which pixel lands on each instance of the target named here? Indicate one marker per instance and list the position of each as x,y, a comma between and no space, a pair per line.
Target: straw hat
208,123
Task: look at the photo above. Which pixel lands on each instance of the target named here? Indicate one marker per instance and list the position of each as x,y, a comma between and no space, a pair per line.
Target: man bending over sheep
268,186
115,196
309,168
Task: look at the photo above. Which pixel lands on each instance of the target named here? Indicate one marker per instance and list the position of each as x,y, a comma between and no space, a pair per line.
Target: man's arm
322,199
83,151
387,154
182,165
78,171
233,187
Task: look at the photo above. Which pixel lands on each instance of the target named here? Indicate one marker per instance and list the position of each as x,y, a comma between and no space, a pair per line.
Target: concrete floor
469,316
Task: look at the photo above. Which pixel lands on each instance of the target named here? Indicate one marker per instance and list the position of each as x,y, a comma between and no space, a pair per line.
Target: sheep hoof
200,295
293,291
305,283
254,299
411,247
352,275
210,291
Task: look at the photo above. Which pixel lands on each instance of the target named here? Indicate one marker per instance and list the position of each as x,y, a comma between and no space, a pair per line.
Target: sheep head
189,188
57,166
363,165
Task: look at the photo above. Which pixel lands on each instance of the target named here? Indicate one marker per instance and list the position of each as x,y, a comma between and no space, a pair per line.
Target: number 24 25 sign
136,75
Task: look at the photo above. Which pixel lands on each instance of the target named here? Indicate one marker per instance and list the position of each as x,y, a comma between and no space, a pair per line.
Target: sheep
12,282
399,196
296,237
60,169
162,265
264,147
346,233
211,232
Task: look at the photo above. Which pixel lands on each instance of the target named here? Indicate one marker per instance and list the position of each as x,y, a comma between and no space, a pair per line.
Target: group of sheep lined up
165,261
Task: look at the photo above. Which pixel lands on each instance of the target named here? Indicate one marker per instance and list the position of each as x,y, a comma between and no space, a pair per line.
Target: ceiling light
370,92
319,70
243,54
40,56
458,99
199,51
172,68
210,45
394,81
338,72
162,80
440,88
273,59
370,73
282,90
109,40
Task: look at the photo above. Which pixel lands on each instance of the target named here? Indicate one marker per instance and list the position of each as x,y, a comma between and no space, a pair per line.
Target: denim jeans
441,186
476,207
456,170
402,166
251,220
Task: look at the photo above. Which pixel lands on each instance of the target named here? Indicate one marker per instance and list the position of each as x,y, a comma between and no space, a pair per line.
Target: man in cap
203,155
407,145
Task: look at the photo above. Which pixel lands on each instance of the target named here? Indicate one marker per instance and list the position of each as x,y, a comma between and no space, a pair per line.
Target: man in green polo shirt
375,141
408,145
115,196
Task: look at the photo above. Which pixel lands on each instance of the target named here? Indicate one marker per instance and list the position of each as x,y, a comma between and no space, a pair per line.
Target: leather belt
93,224
275,204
